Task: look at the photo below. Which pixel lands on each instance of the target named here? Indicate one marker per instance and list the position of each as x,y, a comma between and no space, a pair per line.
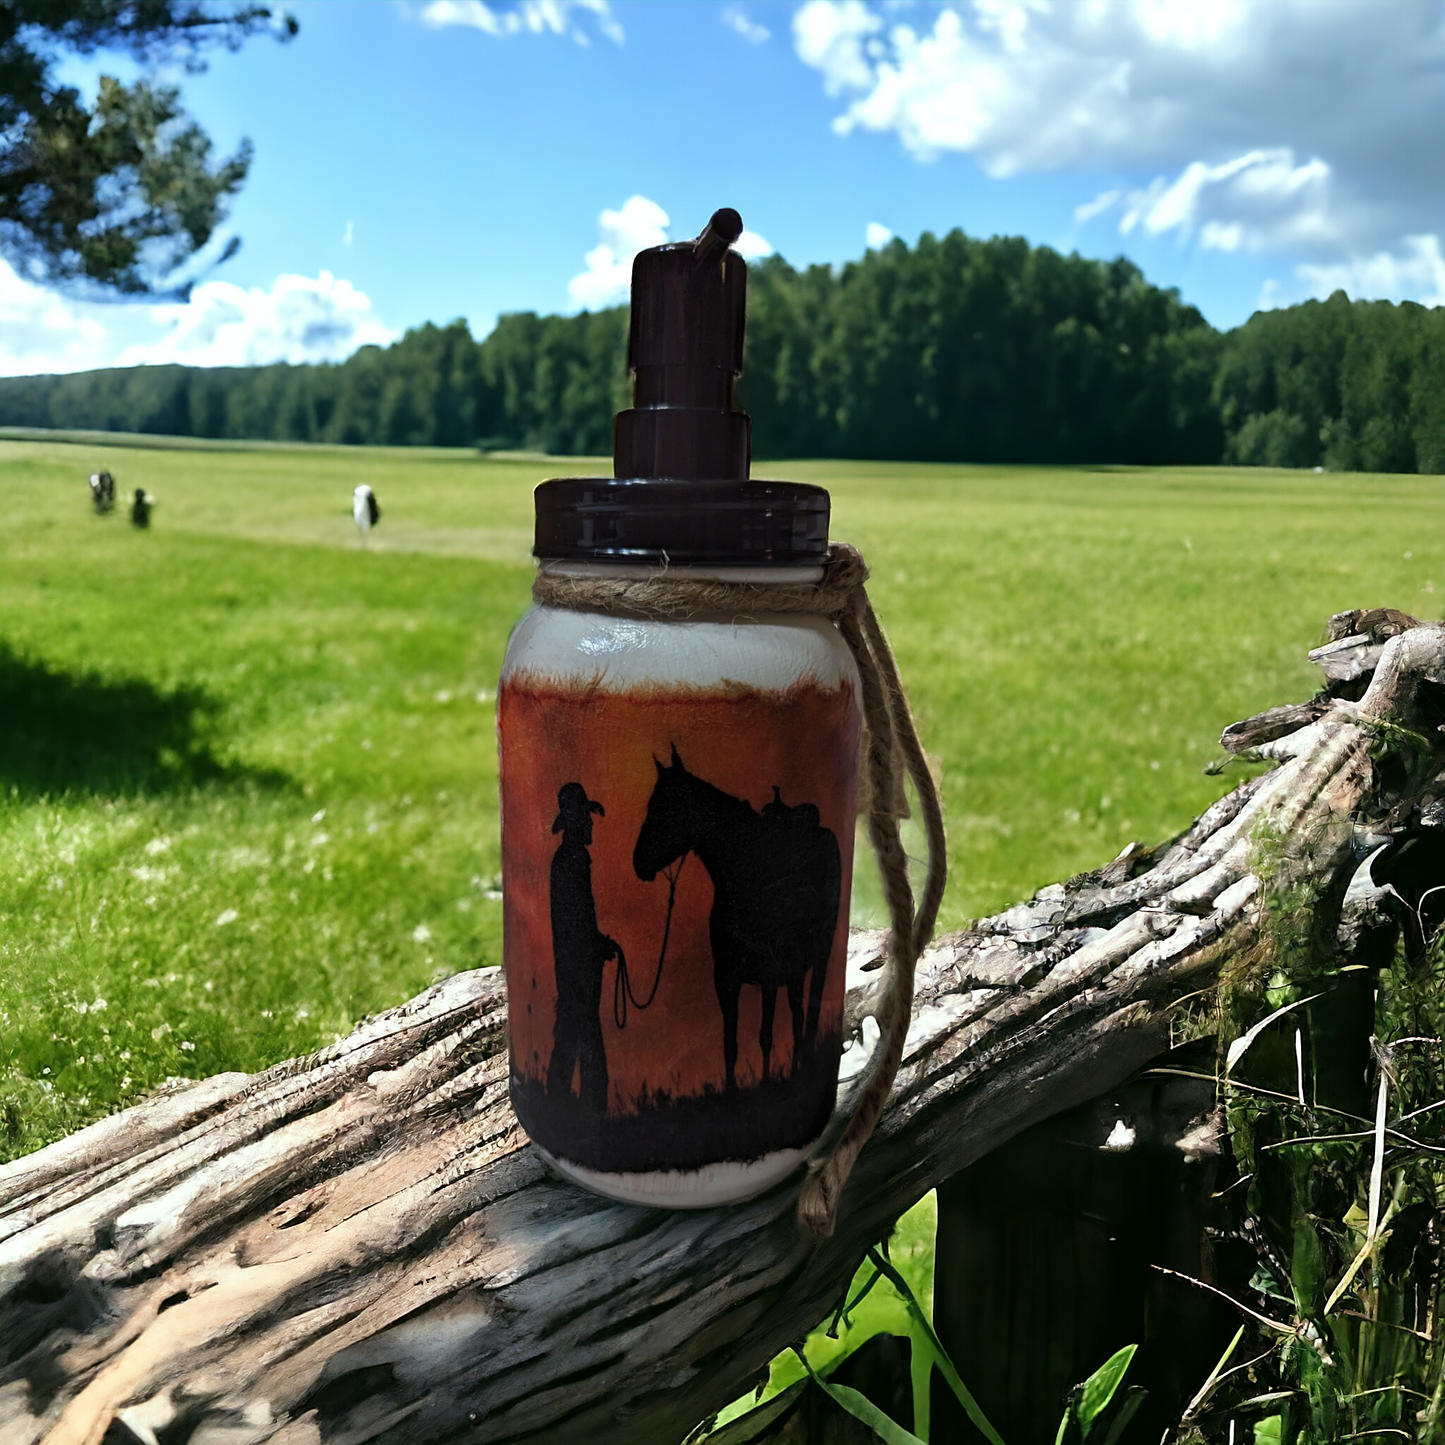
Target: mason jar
678,801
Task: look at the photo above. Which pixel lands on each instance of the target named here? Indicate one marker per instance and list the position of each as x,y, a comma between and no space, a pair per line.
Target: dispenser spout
723,228
685,353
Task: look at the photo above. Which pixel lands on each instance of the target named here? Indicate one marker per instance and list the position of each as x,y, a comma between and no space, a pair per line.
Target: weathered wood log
361,1246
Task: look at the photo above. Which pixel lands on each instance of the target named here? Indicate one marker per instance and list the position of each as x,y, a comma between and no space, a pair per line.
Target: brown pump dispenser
682,494
685,353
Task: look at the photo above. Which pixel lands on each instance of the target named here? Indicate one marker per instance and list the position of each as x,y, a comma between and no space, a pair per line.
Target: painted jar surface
678,802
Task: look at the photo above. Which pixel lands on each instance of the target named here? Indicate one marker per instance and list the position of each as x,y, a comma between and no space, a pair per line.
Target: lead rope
622,984
891,746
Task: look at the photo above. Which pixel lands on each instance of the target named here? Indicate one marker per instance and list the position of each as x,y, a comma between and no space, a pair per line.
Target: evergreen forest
956,349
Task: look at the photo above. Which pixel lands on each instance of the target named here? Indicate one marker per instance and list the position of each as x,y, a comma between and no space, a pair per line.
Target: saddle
799,815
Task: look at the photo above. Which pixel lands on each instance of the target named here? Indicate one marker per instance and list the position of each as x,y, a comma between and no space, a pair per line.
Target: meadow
247,764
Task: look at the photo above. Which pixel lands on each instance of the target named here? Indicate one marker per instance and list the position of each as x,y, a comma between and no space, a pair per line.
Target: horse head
666,832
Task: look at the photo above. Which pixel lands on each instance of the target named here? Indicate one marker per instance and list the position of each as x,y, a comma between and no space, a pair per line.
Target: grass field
247,768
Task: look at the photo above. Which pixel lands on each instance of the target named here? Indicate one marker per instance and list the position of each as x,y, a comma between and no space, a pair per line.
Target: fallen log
361,1246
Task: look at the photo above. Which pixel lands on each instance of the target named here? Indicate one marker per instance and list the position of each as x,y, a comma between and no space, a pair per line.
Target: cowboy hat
572,799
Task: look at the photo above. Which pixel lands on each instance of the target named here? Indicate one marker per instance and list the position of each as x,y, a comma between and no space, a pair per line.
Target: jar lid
681,492
682,523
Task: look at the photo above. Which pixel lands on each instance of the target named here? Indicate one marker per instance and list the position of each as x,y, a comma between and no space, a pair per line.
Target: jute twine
891,749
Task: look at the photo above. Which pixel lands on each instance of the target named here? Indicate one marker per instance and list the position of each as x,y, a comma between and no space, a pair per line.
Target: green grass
247,768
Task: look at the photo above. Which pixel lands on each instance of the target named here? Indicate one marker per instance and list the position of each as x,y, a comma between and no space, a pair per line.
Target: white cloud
528,17
1261,201
1417,275
1104,201
831,35
736,18
876,236
298,319
608,278
40,331
1033,85
640,224
752,247
1296,125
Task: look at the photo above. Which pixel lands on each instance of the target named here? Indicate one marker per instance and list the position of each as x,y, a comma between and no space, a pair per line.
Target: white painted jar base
728,1182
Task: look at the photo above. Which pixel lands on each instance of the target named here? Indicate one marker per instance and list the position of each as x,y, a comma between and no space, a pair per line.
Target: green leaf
925,1338
1099,1388
1125,1413
860,1407
920,1372
1240,1046
1270,1431
1307,1265
758,1421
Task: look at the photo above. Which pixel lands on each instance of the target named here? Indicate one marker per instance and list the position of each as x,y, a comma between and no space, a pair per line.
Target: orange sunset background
804,741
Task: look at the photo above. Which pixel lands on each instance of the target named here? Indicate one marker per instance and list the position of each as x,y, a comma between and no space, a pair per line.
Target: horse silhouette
777,881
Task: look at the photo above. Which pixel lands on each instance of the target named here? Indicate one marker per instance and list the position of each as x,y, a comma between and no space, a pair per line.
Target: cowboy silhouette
579,952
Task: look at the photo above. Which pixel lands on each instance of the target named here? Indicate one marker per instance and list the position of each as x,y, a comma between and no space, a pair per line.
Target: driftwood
361,1246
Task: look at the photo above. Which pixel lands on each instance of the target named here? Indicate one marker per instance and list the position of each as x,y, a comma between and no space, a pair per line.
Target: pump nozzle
722,229
685,353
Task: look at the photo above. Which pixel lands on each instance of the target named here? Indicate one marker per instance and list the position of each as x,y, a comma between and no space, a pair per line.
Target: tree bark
361,1246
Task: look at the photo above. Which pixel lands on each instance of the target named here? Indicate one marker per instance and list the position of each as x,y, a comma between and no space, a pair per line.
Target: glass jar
678,800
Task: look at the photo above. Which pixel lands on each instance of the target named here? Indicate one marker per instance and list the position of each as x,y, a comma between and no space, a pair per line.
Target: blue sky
437,158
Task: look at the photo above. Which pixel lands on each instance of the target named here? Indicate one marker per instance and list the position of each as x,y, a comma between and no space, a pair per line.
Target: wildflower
421,933
229,916
318,815
188,1046
160,1031
157,846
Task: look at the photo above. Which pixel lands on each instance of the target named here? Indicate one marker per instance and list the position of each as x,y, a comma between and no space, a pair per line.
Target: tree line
956,349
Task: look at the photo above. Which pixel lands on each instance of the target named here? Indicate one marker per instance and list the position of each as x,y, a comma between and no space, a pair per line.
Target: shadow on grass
64,732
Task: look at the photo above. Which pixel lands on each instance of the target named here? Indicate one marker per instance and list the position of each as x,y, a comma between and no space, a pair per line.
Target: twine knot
891,752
